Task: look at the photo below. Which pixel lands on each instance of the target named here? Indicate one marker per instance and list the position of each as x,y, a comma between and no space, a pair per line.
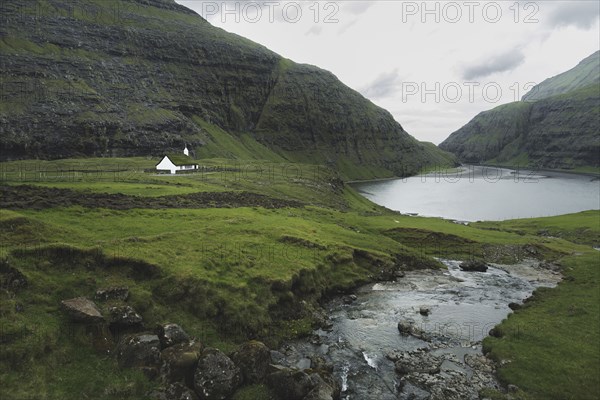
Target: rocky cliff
124,78
556,126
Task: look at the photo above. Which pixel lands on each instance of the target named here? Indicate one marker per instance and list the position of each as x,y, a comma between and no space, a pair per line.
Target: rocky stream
420,336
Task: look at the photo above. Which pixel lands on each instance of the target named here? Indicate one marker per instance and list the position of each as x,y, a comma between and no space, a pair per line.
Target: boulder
179,361
423,370
302,363
112,293
139,350
170,334
514,306
278,357
321,392
289,383
253,359
408,328
175,391
473,266
325,387
512,389
417,361
496,332
424,310
216,376
318,363
479,362
123,316
405,327
315,339
321,319
81,309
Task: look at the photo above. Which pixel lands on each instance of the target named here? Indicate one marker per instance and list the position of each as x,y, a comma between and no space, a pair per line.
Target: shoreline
464,168
358,181
375,180
541,170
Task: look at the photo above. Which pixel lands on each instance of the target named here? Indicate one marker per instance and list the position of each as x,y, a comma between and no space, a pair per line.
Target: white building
177,162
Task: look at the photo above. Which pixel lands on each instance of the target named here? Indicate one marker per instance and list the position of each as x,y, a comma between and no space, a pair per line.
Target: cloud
499,63
358,7
347,26
383,86
314,30
581,14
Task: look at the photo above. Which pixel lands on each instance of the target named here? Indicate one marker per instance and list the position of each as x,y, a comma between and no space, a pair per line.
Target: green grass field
550,347
229,274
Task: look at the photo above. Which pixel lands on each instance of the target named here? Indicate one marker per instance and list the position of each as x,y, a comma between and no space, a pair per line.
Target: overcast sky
433,65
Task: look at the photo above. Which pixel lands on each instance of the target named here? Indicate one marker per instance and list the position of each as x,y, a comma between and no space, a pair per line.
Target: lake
475,193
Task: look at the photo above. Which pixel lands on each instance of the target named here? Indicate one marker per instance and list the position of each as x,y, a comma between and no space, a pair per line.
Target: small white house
177,162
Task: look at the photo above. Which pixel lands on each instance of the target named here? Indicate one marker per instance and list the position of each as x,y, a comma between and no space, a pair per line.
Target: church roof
181,159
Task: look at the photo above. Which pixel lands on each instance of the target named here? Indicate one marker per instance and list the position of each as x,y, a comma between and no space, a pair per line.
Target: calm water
487,193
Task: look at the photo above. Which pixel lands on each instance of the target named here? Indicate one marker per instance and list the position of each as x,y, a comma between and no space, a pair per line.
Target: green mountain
126,78
555,126
586,73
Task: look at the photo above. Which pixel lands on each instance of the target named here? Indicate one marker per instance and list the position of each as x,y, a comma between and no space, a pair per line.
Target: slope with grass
549,348
586,73
139,78
555,126
225,274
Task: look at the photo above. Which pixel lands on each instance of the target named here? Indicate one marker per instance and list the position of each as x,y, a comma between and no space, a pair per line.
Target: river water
486,193
372,359
464,307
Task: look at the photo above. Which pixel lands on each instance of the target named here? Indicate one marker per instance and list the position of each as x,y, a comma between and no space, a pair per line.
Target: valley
229,272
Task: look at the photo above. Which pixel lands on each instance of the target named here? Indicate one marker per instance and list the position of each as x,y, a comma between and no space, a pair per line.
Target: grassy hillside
554,126
549,348
226,268
145,77
586,73
558,132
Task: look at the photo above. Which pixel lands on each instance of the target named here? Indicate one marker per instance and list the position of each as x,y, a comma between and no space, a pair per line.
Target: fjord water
478,193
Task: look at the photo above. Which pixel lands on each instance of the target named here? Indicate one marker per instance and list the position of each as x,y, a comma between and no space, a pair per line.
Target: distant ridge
586,73
556,125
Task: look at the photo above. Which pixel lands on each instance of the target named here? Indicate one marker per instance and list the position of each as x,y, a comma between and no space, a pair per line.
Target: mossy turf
577,228
549,348
229,274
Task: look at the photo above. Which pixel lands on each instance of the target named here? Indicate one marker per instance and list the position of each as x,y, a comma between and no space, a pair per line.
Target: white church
177,162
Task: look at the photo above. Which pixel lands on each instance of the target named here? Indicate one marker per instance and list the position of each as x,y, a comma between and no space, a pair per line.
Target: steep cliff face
559,131
310,116
102,78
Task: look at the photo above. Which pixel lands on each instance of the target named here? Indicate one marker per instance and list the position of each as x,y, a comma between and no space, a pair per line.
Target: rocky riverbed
420,336
183,367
